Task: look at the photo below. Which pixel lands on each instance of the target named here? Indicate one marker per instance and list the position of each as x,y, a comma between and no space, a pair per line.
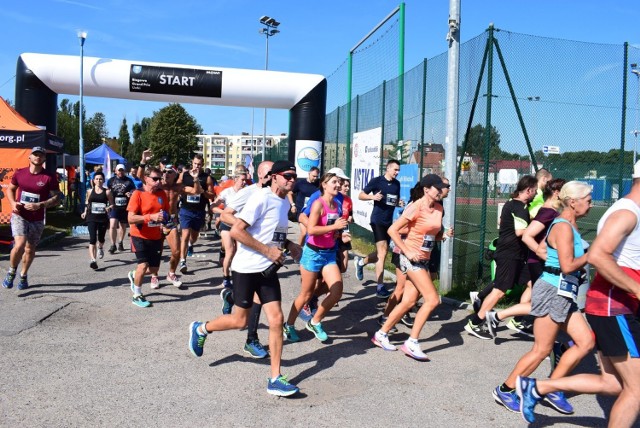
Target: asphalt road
76,352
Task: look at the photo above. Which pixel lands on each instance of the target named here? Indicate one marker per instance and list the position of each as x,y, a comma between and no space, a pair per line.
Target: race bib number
29,198
331,218
154,224
193,199
120,201
392,200
279,237
98,208
428,241
306,200
568,287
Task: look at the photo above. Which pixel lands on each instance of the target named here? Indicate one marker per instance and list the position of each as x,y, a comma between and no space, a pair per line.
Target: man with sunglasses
32,190
196,192
147,213
261,231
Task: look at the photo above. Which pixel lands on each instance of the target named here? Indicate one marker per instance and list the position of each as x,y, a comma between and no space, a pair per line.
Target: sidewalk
76,352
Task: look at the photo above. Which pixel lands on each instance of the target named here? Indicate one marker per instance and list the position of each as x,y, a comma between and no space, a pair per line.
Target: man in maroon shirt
32,189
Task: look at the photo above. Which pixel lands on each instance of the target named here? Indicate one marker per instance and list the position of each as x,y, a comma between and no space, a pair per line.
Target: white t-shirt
628,252
228,195
240,199
266,215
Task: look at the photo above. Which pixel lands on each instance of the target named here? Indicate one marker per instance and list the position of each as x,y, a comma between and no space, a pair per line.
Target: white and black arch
40,78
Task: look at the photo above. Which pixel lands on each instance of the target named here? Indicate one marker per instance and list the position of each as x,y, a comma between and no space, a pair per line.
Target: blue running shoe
317,330
227,300
383,293
131,277
140,301
255,349
558,401
359,268
509,399
281,387
526,390
23,284
8,280
289,333
196,339
555,355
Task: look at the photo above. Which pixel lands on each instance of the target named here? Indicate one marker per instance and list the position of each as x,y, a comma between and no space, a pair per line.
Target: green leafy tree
67,125
173,134
95,131
124,141
476,139
141,140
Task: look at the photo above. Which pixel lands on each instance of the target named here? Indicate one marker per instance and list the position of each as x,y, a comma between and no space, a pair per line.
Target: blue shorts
315,260
189,219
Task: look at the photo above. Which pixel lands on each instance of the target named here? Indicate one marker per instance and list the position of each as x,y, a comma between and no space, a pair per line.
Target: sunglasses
155,178
447,186
288,177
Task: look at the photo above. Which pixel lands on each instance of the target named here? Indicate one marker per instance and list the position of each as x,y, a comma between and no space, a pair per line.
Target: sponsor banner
365,165
175,81
408,177
308,155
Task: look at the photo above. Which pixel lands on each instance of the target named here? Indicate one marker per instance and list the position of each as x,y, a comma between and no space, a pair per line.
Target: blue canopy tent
100,155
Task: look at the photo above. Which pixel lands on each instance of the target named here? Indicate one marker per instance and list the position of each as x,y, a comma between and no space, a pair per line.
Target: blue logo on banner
308,158
408,177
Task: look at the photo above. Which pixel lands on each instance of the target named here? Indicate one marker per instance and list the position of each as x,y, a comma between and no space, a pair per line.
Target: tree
173,134
476,139
141,140
67,125
95,131
124,140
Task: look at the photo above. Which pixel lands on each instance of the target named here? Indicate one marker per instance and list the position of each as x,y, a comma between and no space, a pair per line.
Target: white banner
365,165
308,155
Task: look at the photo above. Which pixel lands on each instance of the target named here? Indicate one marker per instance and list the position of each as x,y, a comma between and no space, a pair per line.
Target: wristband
142,165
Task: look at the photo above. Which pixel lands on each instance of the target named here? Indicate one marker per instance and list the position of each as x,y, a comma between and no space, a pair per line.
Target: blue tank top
552,253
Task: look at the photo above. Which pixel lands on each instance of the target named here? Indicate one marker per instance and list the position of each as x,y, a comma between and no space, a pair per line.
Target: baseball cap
38,149
338,172
164,160
224,178
636,170
432,180
119,166
283,166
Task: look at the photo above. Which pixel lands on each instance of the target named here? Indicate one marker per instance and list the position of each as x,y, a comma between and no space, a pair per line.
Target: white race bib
98,208
193,199
428,241
29,198
392,200
331,218
279,237
120,201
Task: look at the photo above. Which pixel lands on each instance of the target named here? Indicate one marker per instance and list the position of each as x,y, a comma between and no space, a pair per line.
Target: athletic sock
12,270
497,317
203,330
137,290
505,388
475,319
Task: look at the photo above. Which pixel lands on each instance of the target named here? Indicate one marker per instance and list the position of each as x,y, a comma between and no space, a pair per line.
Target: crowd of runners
539,246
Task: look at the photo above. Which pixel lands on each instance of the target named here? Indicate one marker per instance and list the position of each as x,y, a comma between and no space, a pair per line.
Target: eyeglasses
288,177
155,178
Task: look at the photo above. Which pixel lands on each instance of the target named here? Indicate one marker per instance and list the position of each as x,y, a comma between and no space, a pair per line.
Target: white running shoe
155,282
174,279
382,340
412,349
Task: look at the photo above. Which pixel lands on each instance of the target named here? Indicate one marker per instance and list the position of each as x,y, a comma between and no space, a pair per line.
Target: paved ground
76,352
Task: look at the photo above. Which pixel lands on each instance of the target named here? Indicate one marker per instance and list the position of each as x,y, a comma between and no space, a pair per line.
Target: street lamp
82,36
269,29
635,132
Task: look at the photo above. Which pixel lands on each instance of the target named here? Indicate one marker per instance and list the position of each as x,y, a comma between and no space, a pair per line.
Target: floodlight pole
82,36
269,29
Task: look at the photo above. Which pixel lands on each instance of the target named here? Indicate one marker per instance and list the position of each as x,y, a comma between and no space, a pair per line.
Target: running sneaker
93,265
8,280
281,387
516,326
479,331
100,253
226,283
508,399
558,401
190,251
382,340
527,326
383,293
317,330
155,282
174,279
227,300
112,249
289,333
132,275
412,349
120,247
196,339
255,349
23,284
491,321
407,320
182,266
305,313
526,390
476,303
359,268
555,355
140,301
382,319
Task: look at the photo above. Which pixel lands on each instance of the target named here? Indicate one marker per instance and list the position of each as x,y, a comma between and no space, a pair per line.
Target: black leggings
97,232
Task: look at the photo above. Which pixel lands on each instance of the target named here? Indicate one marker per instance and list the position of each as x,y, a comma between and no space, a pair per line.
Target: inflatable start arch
40,78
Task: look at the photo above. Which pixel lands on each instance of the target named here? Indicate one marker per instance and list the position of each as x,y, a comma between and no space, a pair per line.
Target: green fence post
384,96
401,75
423,114
623,125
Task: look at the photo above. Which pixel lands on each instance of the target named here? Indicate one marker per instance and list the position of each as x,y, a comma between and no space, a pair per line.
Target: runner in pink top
319,258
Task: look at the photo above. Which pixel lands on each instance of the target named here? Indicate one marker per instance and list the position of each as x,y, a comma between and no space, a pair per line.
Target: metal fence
525,102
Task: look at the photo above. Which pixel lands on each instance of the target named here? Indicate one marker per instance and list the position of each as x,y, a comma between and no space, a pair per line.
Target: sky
315,37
